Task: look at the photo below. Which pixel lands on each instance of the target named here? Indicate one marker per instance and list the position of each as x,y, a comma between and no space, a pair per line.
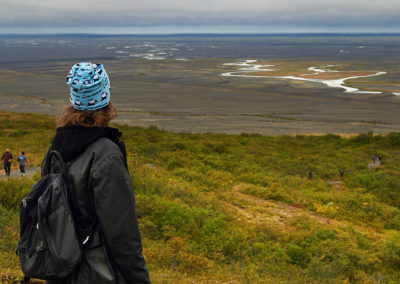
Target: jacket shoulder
104,146
96,154
103,149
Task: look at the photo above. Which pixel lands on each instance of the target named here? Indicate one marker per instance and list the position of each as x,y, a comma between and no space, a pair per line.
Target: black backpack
50,245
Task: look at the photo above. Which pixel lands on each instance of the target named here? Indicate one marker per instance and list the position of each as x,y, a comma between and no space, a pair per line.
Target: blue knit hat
90,86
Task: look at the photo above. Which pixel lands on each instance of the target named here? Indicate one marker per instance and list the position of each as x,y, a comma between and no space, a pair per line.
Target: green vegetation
219,208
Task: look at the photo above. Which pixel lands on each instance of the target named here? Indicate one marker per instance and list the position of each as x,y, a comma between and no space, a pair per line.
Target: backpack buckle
86,240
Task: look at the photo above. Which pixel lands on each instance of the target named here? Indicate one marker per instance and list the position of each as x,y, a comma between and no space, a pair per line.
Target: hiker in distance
7,157
22,162
99,180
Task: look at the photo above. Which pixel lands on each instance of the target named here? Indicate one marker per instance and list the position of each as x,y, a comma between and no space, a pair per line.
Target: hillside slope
218,208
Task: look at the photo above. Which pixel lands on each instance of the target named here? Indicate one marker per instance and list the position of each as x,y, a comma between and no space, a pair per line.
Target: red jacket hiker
7,156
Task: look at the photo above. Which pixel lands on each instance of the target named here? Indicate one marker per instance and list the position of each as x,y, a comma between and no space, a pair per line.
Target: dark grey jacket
99,178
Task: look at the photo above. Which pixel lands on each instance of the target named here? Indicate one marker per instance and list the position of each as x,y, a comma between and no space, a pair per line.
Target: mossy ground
219,208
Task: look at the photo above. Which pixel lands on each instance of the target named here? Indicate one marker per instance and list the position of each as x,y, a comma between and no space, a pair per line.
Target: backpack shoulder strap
56,163
62,167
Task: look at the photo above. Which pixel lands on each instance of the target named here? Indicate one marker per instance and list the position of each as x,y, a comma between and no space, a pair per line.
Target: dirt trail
15,173
255,210
375,164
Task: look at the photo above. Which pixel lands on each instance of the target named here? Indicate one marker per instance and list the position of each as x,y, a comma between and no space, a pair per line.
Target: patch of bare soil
255,210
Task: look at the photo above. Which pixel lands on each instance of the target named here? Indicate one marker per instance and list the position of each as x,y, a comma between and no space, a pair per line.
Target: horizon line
200,34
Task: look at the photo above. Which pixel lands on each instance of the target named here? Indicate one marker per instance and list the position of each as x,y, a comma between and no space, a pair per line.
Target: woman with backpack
99,183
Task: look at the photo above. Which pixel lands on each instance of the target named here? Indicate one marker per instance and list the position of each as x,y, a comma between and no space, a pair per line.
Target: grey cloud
73,13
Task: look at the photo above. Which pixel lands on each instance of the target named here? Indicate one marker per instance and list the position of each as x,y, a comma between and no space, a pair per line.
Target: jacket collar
71,141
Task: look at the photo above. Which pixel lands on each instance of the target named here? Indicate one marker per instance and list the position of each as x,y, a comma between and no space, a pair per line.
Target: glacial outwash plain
290,84
222,133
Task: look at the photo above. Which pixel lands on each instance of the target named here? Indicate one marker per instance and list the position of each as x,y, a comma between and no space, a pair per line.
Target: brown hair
87,118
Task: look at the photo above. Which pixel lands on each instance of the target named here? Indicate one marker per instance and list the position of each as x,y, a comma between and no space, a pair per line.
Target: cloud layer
141,13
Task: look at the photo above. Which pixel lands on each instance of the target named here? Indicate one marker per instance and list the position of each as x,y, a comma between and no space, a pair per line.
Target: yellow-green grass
219,208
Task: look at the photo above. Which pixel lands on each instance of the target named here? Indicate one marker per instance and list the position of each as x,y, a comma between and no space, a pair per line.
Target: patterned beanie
90,86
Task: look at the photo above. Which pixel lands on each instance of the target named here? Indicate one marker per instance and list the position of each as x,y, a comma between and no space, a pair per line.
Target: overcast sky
200,15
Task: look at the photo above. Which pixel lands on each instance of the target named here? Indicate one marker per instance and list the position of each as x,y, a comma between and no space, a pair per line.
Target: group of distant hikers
375,158
7,158
341,172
